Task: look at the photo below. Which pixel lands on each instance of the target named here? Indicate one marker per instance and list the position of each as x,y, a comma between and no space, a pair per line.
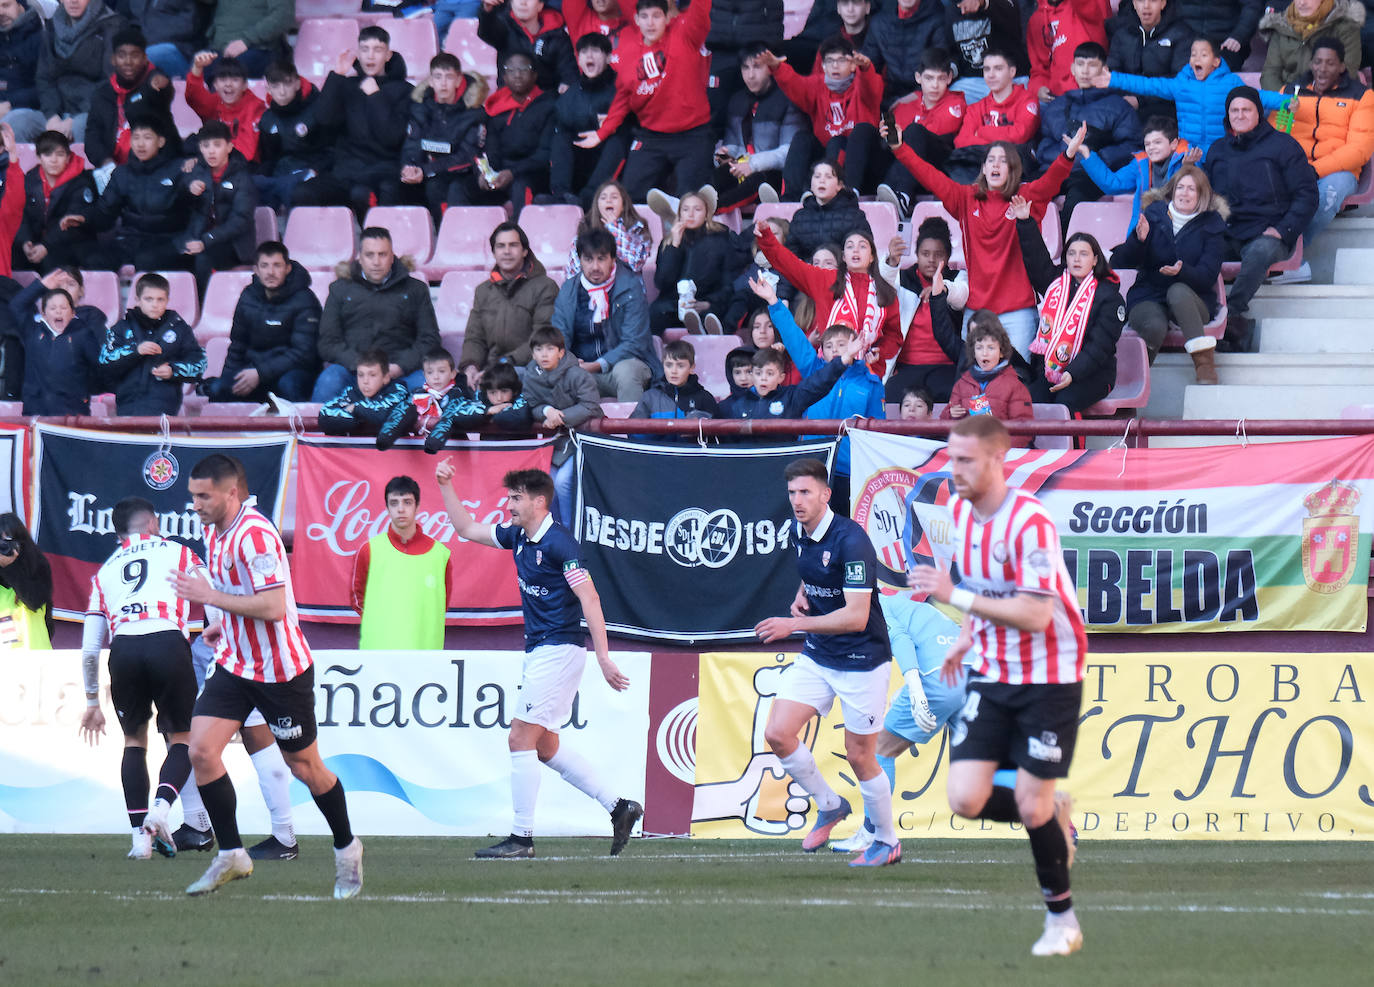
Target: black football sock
335,810
1051,853
175,770
221,803
1001,806
133,773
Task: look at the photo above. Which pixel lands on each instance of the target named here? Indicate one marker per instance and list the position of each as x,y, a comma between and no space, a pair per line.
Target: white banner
419,739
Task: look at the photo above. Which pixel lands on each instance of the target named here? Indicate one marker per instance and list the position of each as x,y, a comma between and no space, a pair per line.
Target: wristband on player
962,599
92,702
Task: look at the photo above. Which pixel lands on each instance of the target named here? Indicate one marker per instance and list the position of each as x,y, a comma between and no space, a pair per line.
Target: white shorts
548,683
862,695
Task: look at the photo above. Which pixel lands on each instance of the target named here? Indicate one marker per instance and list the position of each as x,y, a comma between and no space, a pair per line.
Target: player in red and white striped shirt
1023,622
263,662
150,664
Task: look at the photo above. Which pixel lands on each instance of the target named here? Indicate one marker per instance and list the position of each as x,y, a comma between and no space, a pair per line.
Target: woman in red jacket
856,295
992,253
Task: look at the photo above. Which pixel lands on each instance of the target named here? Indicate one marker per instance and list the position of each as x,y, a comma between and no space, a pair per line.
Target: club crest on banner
161,469
1330,535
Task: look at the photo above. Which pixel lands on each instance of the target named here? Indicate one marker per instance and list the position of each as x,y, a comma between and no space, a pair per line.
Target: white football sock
878,807
524,790
193,812
578,772
274,778
802,767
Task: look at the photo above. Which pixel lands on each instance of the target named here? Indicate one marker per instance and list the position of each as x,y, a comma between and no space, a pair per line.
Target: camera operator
25,589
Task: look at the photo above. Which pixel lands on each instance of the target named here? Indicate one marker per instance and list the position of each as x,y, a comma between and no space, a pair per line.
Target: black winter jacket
1222,19
1096,359
275,334
896,44
709,259
520,139
1201,245
998,25
101,126
814,225
1265,176
146,197
1113,126
443,138
65,84
550,51
291,138
1158,52
71,197
60,371
583,101
174,22
137,391
223,213
788,401
736,23
395,316
665,400
773,122
365,414
373,127
19,47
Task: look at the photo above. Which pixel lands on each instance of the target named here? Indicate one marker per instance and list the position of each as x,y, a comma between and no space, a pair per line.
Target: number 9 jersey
133,586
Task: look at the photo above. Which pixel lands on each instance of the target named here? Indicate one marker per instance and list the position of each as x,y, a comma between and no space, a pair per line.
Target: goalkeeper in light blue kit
921,636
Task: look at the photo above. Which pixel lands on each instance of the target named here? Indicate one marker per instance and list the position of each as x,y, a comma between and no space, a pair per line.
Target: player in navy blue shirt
555,594
845,656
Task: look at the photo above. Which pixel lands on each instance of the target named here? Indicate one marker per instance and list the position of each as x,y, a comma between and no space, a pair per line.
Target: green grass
73,910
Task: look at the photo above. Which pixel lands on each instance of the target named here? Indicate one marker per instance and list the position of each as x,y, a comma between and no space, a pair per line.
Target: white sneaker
768,193
348,870
1059,938
1299,275
227,866
142,848
857,843
1063,813
155,827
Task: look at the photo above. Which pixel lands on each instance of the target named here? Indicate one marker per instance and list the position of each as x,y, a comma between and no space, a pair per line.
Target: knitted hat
1245,92
129,35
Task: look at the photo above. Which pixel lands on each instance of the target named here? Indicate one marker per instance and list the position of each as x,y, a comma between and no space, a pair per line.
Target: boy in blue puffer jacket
1199,91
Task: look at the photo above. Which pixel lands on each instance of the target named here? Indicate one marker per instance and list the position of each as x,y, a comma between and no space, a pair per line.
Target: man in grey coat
604,316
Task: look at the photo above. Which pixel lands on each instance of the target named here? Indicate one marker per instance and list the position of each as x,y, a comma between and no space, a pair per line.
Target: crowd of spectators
999,110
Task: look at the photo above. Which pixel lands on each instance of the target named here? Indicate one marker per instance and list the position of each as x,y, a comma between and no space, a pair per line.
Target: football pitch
73,910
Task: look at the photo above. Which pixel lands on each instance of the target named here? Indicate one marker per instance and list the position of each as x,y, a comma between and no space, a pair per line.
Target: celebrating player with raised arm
150,663
845,655
1024,624
262,661
555,594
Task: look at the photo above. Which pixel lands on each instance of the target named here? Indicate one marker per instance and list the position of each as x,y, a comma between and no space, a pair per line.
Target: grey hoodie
566,387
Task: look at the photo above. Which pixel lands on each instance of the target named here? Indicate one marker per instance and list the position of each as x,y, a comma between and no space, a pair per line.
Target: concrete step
1354,265
1343,375
1350,230
1250,400
1283,334
1313,301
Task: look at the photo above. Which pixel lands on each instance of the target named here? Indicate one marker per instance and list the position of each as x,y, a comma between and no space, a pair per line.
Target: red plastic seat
1052,413
414,39
1106,220
618,409
221,298
920,212
321,236
183,297
552,231
710,361
463,243
102,291
320,282
319,43
883,220
774,210
264,224
216,350
475,54
454,301
1132,390
28,157
412,229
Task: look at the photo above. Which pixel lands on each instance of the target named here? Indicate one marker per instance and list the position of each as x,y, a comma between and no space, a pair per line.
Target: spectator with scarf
1073,356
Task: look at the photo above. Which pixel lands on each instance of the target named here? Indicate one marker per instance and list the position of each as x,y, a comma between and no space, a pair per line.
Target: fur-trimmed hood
1219,203
1276,18
475,90
351,268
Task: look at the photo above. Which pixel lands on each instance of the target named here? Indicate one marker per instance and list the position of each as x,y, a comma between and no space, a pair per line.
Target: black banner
684,543
83,474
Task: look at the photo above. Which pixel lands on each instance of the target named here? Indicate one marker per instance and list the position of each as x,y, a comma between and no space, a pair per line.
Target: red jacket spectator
1055,29
1016,119
580,19
944,118
1004,397
832,114
11,211
664,84
241,116
992,252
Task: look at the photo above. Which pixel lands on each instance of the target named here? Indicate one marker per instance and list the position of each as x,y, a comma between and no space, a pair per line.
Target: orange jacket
1336,129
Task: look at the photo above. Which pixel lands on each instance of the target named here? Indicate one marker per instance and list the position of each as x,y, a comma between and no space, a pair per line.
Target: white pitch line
667,899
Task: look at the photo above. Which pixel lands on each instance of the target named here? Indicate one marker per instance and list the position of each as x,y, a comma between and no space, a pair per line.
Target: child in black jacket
150,353
365,406
498,401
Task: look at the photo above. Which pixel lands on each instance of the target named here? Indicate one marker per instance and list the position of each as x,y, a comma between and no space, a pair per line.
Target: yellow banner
1170,746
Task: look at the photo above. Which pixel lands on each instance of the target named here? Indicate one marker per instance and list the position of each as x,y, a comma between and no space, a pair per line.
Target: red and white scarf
845,311
1062,326
599,298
